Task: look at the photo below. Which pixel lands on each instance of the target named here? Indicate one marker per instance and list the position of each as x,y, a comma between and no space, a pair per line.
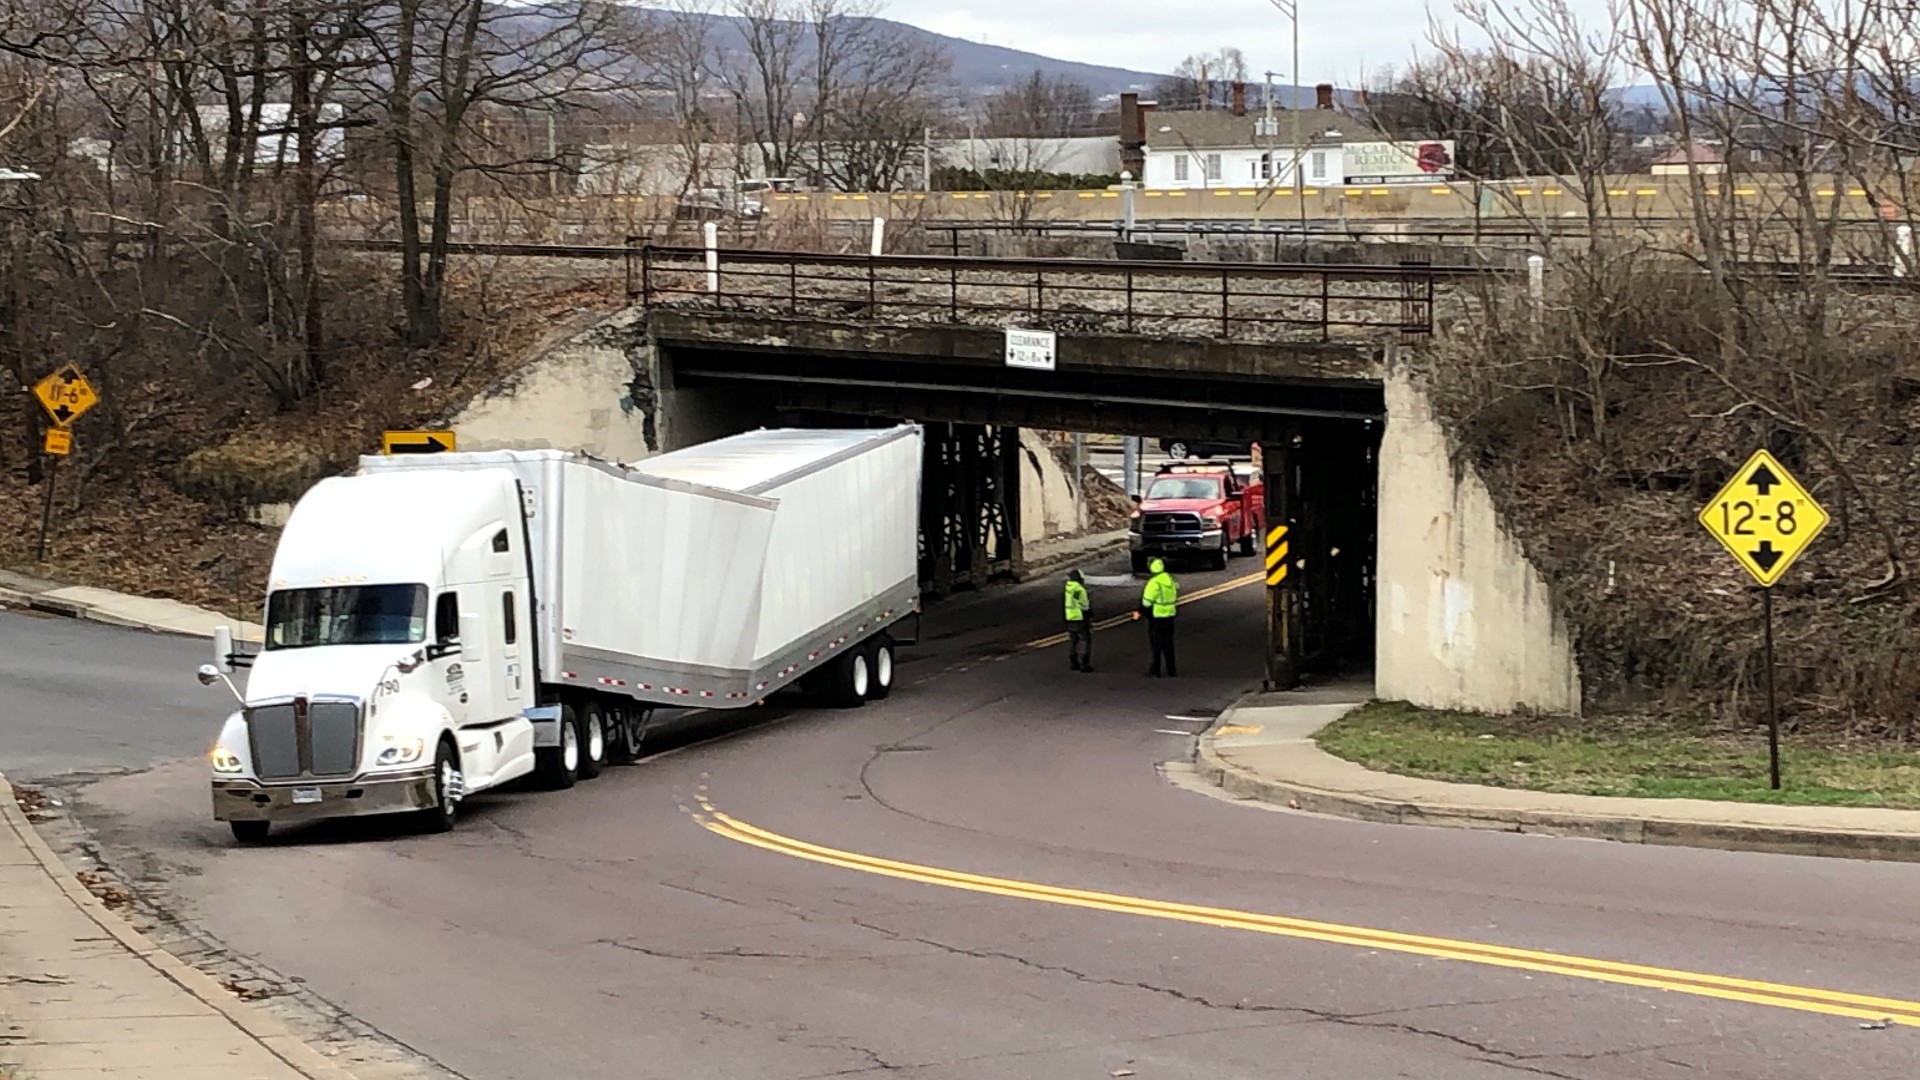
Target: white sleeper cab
439,625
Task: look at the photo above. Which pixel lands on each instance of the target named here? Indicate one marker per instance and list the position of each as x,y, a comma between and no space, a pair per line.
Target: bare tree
682,72
1042,107
444,68
878,99
825,87
767,81
1201,81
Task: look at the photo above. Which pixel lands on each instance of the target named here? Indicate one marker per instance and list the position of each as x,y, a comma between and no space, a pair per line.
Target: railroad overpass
1394,558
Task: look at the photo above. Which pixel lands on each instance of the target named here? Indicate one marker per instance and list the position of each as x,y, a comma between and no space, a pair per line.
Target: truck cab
1198,508
396,670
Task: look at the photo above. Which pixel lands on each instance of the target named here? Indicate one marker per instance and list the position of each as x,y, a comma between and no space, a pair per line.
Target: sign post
65,394
1766,519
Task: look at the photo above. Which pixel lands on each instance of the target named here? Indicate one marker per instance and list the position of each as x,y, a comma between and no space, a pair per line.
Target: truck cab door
448,672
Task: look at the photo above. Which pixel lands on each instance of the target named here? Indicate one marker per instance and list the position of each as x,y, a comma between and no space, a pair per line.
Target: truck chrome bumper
387,793
1204,541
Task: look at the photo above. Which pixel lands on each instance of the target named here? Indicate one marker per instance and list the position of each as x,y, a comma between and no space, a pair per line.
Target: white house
1238,148
1220,147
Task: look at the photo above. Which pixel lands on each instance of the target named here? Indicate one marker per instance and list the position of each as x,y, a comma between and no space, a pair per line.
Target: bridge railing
1233,301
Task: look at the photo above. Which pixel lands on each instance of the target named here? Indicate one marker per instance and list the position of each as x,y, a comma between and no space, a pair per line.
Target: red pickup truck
1199,508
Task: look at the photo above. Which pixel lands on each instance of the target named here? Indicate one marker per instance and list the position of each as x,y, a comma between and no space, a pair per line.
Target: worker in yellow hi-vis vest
1079,623
1159,603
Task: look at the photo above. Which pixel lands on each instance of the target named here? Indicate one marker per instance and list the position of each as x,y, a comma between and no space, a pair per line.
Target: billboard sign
1397,162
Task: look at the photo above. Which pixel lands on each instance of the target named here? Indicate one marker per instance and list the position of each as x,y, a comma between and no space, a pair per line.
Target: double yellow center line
1749,991
1107,624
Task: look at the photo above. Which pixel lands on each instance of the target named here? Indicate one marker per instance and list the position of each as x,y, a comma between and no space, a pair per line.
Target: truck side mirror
222,650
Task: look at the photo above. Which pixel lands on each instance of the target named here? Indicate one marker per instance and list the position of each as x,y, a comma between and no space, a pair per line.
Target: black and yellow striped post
1276,556
1282,661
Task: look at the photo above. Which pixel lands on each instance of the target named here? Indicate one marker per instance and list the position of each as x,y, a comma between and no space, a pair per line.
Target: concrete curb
1596,825
71,609
262,1028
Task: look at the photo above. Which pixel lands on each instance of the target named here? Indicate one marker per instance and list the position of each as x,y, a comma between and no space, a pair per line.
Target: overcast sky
1339,39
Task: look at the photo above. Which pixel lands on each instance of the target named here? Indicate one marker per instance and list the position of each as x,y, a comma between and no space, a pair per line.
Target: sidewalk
1045,555
117,609
1263,749
84,996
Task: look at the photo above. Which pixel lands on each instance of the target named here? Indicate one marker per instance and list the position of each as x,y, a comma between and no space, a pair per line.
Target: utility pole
1291,9
1271,166
926,160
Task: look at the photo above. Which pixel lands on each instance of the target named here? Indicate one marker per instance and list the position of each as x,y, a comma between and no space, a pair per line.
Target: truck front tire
557,767
440,817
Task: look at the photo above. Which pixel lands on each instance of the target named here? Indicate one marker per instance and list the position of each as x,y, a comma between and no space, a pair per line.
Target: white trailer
442,624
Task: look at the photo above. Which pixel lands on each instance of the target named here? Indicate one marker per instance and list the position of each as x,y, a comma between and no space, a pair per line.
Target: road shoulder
1263,749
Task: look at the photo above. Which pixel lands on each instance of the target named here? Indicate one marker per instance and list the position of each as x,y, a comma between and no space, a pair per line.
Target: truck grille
326,743
1169,524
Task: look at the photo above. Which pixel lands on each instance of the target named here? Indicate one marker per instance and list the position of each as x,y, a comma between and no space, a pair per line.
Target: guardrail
1227,300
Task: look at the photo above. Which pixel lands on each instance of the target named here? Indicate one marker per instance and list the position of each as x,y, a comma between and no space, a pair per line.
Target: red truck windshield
1185,487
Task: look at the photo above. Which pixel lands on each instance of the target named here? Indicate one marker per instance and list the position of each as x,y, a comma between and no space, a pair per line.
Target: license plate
305,796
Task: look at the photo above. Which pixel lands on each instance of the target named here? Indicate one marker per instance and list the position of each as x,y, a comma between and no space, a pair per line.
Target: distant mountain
977,68
984,68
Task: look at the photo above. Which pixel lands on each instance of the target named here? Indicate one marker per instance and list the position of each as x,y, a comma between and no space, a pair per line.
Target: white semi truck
443,624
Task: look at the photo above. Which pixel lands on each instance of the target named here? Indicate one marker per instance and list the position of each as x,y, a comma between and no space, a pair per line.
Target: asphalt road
843,893
76,695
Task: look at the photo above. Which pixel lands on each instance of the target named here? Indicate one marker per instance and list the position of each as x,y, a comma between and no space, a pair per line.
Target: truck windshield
347,615
1185,487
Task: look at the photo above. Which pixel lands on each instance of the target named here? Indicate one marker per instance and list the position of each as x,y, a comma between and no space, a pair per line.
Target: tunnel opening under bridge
1317,455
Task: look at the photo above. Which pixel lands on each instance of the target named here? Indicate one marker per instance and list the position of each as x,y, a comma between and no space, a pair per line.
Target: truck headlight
404,752
226,762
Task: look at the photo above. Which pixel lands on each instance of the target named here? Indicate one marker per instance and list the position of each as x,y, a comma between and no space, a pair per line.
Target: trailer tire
251,832
593,740
1247,542
446,765
557,767
880,667
850,677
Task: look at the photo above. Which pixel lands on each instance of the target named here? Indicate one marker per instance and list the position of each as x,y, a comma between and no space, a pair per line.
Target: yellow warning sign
1764,517
417,442
59,441
66,394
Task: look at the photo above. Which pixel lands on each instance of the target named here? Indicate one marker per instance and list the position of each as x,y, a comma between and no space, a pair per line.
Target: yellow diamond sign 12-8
1764,517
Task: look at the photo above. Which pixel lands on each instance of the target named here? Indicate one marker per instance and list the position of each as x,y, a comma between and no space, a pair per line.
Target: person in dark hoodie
1079,623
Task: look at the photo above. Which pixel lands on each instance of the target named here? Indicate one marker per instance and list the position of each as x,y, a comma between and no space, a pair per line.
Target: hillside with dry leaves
1603,427
139,505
